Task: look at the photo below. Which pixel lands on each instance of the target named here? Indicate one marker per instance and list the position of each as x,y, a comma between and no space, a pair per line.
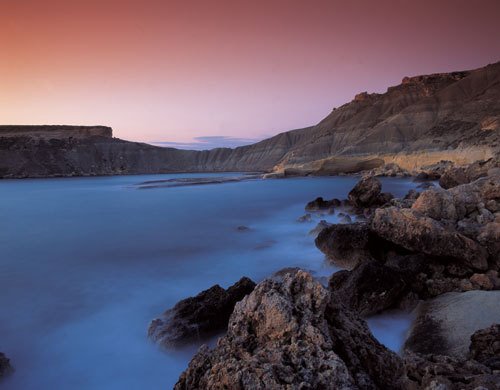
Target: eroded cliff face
426,119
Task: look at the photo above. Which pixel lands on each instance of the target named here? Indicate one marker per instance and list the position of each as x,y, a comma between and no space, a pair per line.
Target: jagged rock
344,218
416,232
366,192
369,288
437,204
5,367
485,346
346,245
199,317
290,334
444,325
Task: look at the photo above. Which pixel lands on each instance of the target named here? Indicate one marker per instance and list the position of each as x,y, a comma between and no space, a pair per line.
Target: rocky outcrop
199,317
5,367
418,123
485,346
444,325
368,289
455,176
289,334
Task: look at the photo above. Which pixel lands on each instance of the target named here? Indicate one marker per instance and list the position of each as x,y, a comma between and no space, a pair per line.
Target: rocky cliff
447,116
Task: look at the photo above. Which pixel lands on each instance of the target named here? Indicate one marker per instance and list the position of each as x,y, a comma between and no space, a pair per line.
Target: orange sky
173,70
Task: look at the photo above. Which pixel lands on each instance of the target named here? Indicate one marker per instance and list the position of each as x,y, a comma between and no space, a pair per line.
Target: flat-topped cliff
55,131
444,116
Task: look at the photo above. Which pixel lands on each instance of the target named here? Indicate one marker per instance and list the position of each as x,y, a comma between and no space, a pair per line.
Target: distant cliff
425,119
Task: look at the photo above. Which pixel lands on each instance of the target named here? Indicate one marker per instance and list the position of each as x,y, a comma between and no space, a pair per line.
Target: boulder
444,325
437,204
321,204
455,176
320,227
290,334
369,288
5,367
346,245
485,346
196,318
366,192
414,231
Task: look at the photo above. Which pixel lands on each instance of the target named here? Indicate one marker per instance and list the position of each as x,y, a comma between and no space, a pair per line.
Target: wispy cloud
208,142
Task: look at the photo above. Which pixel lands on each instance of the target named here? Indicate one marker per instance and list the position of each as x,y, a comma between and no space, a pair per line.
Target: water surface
86,263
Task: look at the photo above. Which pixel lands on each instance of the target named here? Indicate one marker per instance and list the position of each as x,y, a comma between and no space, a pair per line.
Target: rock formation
199,317
289,334
5,367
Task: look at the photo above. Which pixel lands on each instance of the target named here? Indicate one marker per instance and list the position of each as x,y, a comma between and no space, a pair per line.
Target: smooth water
86,263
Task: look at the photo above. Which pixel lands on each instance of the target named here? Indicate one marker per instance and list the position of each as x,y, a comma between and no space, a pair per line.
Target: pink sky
174,70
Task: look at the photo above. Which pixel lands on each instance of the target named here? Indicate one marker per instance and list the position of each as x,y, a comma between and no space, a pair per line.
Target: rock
369,288
320,227
346,245
366,192
416,232
440,372
290,334
489,237
426,185
5,367
242,228
437,204
481,281
321,204
444,325
485,346
305,218
466,174
198,317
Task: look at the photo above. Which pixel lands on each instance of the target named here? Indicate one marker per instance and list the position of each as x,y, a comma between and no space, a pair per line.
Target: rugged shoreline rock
5,366
289,333
197,318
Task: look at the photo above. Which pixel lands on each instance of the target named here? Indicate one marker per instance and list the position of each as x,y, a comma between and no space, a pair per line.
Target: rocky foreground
436,252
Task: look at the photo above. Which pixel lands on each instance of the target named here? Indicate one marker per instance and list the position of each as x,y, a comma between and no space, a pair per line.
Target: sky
204,73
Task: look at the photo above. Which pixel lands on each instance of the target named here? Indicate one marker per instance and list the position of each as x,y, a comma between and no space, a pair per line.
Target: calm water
86,263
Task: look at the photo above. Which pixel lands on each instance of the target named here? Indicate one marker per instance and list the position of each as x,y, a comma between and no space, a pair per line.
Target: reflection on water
86,263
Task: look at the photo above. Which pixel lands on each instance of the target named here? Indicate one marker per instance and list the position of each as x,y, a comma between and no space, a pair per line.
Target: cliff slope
447,116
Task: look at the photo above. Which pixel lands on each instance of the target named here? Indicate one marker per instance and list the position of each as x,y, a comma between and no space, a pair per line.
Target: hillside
425,119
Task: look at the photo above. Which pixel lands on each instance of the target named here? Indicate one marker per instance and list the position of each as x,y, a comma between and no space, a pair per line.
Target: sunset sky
225,71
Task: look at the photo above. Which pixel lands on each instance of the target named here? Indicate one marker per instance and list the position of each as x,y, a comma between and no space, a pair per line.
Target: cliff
446,116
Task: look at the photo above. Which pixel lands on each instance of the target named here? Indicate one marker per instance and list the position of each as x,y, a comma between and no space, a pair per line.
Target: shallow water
86,263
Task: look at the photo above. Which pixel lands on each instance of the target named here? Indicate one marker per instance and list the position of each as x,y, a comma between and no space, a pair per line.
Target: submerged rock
320,227
198,317
444,325
305,218
5,367
290,334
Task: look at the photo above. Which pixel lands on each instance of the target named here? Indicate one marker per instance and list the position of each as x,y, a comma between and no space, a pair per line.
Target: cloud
208,142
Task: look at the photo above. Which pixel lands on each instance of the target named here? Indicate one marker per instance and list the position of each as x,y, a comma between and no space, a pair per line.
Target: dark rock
485,346
346,245
369,288
242,228
344,218
198,317
5,367
305,218
291,334
366,192
438,372
321,204
426,185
